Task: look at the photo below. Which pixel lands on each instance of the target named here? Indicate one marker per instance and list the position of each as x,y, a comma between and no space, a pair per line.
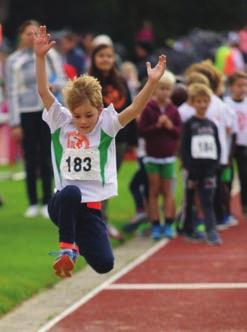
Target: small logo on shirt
77,141
114,96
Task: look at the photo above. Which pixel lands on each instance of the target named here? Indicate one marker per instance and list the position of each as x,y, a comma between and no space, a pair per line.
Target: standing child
160,125
218,113
238,103
200,153
84,160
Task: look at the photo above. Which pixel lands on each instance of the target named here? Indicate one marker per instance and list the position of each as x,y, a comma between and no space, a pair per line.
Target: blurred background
121,19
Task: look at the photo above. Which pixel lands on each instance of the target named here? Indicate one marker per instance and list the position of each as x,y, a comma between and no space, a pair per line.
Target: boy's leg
168,174
218,198
138,189
206,192
154,183
64,208
139,186
135,188
225,180
93,241
144,178
30,148
188,226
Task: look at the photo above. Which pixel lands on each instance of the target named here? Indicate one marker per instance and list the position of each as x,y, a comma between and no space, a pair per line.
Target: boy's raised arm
42,45
140,101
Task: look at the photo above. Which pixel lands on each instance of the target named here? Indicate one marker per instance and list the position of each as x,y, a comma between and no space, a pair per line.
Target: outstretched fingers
148,64
161,64
42,31
162,61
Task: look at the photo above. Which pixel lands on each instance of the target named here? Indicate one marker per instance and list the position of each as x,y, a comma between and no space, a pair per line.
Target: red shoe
65,263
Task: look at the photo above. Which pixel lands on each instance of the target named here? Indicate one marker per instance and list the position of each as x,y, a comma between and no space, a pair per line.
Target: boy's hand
42,43
155,73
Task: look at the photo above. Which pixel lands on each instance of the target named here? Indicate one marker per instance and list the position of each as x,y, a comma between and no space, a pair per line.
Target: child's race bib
203,147
81,164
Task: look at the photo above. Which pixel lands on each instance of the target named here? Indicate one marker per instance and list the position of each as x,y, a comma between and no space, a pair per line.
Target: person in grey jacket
25,110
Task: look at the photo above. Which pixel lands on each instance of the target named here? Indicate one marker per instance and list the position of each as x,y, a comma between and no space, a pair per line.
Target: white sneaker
44,211
32,211
232,221
114,232
139,216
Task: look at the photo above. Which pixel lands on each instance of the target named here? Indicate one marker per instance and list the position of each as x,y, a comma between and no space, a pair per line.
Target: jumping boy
84,159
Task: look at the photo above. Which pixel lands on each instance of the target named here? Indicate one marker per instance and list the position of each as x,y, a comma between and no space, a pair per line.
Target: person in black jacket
200,153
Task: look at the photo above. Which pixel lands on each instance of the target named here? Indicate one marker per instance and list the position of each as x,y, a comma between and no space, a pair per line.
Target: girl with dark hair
115,91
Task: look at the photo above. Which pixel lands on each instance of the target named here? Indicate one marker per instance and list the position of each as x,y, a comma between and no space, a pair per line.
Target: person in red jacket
160,125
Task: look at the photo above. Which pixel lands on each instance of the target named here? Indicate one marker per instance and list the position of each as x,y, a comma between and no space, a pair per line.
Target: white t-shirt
240,110
87,161
218,113
186,111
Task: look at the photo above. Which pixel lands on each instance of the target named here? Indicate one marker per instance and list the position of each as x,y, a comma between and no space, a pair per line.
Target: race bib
203,147
81,164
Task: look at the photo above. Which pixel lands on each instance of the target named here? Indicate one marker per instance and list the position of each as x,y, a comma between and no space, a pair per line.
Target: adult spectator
25,110
71,53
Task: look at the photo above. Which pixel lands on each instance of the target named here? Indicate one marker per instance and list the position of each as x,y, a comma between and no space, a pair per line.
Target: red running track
216,298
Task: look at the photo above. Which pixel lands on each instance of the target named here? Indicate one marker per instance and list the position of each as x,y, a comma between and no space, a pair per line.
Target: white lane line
181,286
104,285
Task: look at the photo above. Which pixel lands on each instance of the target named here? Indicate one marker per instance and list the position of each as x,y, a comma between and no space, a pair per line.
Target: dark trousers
121,148
241,157
82,225
206,189
37,155
219,197
139,186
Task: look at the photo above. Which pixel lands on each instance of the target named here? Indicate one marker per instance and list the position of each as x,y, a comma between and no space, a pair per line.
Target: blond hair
128,67
83,88
199,90
168,78
195,77
238,75
207,69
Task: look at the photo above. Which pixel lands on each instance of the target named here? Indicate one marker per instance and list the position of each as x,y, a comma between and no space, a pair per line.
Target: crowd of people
195,122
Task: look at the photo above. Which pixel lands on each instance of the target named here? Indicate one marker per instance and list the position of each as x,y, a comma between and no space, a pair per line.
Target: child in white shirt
84,159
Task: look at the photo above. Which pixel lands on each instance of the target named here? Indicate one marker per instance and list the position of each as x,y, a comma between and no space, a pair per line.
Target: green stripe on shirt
105,141
58,149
